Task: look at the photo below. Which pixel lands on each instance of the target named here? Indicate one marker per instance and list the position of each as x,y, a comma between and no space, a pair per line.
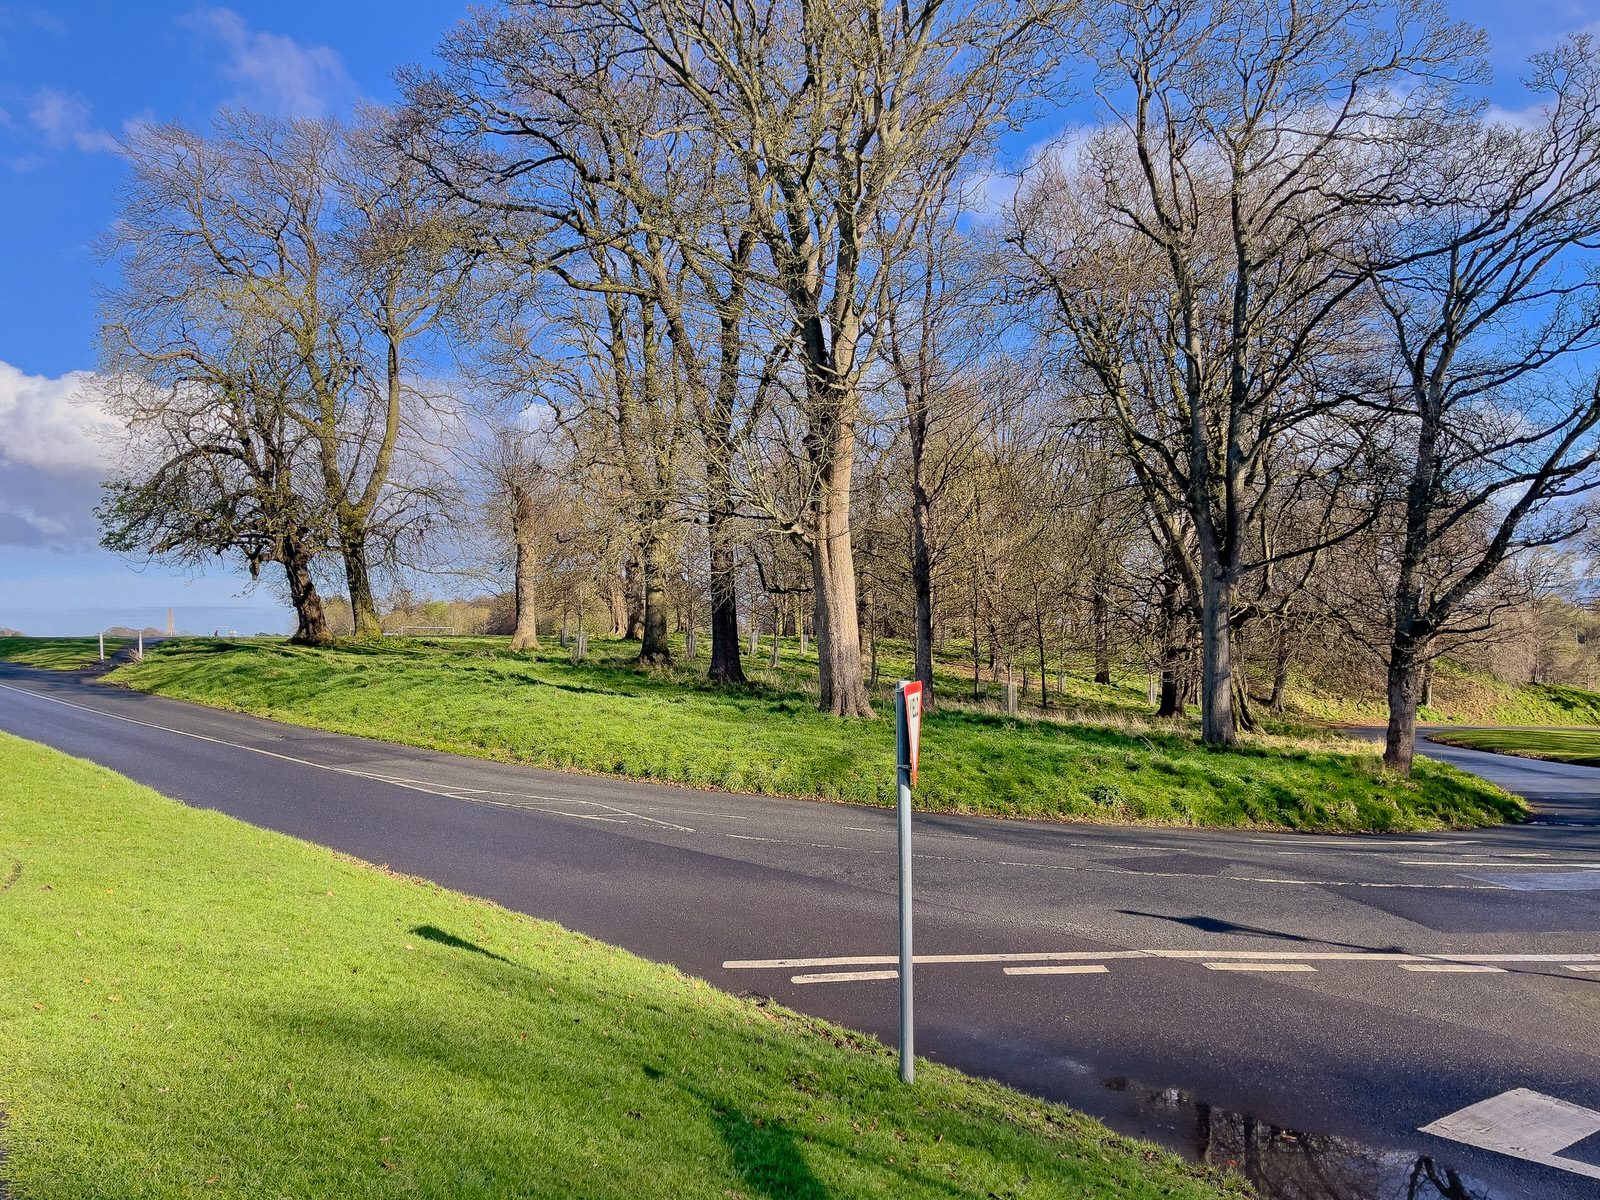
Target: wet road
1301,1006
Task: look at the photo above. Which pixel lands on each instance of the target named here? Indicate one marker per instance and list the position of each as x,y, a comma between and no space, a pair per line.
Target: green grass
471,696
194,1007
1464,696
1581,746
57,654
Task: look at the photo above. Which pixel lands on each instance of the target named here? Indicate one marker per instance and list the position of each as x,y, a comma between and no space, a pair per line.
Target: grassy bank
474,697
1463,696
1581,746
256,1016
57,654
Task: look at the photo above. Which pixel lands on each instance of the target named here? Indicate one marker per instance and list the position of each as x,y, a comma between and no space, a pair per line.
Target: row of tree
676,294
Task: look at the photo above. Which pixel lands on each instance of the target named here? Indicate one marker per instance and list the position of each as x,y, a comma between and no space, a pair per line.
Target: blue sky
71,75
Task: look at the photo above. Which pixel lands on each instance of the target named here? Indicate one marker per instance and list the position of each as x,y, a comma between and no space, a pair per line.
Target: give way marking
1524,1124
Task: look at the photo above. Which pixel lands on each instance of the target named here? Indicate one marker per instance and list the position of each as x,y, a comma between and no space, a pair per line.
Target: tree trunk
725,665
526,634
654,646
1100,616
634,595
1174,649
1217,724
1280,668
363,608
842,688
311,621
619,608
1405,690
921,562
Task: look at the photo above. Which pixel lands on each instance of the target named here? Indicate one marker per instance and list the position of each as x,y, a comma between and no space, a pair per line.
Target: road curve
1303,1005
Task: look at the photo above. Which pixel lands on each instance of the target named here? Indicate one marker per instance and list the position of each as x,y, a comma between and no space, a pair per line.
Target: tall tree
1245,141
1487,291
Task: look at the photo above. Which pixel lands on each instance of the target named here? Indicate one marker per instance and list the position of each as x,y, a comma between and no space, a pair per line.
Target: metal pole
903,773
102,646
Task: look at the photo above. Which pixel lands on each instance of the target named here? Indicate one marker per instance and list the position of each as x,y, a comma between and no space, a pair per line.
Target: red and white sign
911,698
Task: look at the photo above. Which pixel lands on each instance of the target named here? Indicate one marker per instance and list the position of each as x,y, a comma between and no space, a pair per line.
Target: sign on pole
908,733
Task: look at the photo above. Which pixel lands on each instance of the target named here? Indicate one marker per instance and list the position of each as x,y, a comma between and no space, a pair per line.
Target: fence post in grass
102,647
908,735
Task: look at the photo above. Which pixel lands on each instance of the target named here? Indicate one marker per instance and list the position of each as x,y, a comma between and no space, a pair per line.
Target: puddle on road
1282,1163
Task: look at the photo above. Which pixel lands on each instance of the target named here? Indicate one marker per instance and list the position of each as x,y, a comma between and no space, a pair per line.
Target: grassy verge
256,1016
57,654
1581,746
474,697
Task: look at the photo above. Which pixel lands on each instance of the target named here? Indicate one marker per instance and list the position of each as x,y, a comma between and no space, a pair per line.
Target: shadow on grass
766,1155
433,933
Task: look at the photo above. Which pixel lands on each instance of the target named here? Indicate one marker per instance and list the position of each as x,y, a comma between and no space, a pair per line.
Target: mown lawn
475,697
194,1007
1581,746
57,654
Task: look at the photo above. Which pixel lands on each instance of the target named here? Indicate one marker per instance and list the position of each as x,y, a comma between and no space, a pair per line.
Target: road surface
1347,1017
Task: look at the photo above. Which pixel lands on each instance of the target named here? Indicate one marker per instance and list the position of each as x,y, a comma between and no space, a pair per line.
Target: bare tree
1486,290
1239,155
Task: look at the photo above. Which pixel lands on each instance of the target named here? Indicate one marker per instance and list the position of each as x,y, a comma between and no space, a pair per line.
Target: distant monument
171,628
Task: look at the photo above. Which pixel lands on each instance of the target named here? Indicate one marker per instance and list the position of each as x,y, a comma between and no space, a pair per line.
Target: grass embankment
1581,746
475,697
1464,696
194,1007
57,654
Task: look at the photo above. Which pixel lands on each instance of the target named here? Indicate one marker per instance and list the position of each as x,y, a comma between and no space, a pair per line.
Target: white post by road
102,647
908,729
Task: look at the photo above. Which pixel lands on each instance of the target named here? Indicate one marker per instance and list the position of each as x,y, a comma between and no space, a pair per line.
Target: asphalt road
1301,1006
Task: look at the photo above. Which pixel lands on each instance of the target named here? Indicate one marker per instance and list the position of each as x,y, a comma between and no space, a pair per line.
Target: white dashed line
1067,969
1524,1124
1259,966
865,960
1457,968
844,977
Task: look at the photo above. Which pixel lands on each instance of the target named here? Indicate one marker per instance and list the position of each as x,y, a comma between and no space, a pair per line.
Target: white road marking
1523,1124
1477,864
865,960
1297,955
1258,966
1259,959
1070,969
844,976
1459,968
444,791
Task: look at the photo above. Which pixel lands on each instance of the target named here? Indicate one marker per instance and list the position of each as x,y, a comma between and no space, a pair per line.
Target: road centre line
1457,968
432,789
845,977
1574,961
1258,966
1060,969
867,960
1540,865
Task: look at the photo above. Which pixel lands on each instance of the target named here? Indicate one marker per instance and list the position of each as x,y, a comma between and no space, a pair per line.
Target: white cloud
66,120
275,73
54,442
